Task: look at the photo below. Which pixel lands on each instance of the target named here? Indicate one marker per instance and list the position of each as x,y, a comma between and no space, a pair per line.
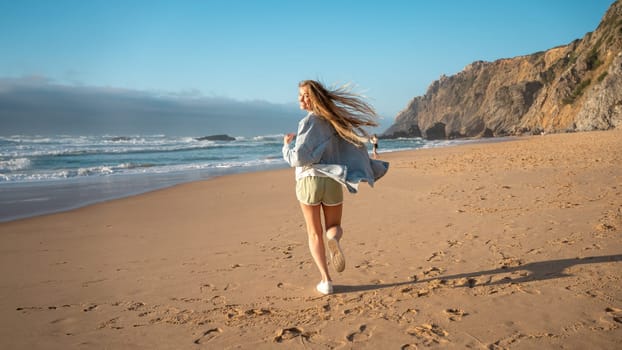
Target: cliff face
577,87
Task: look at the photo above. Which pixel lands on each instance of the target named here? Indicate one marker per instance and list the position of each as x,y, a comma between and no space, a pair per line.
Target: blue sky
259,50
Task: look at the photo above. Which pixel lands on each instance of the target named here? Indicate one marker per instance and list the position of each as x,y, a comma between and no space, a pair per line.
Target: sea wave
42,158
134,169
106,145
269,138
14,164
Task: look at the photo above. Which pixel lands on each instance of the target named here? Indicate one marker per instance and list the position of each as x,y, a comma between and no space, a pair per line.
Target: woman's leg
332,220
334,232
315,234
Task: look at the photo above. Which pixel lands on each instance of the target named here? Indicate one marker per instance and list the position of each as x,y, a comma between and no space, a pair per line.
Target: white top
307,170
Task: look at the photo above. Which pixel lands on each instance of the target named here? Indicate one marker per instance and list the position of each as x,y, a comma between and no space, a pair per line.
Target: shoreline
28,200
32,199
478,246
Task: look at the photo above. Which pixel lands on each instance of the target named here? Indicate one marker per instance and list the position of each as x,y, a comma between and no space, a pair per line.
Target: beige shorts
316,190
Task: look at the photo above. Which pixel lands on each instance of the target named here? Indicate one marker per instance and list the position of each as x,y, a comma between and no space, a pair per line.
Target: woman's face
304,99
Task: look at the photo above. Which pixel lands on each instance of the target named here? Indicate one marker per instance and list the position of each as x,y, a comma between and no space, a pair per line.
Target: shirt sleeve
311,141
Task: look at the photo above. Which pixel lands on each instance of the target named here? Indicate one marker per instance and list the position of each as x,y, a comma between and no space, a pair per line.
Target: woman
374,143
329,153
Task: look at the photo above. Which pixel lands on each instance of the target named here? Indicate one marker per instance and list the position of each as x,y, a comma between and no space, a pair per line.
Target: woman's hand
288,138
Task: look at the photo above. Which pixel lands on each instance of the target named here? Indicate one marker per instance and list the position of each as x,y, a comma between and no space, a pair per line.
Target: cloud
36,105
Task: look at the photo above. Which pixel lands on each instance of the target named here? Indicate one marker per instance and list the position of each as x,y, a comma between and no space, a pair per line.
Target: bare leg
315,234
332,219
334,233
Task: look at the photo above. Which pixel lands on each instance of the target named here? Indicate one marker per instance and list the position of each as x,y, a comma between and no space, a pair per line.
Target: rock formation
220,137
576,87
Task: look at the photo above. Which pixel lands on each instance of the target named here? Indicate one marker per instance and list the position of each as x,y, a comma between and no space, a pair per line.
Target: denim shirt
318,145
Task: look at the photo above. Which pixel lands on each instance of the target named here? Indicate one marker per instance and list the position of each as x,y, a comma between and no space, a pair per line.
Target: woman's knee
334,228
334,231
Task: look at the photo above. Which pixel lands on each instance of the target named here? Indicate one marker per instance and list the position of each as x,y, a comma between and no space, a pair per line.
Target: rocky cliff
576,87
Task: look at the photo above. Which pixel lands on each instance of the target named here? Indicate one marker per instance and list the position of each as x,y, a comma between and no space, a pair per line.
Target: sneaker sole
336,254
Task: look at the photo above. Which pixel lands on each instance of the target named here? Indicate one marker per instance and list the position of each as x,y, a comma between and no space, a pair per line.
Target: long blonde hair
345,110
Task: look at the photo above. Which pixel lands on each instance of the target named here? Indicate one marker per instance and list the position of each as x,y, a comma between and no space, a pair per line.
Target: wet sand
511,245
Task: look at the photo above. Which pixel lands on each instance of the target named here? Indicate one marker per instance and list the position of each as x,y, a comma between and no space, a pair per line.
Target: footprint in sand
407,316
208,335
135,306
207,287
291,333
470,236
534,251
257,312
112,323
605,227
594,246
231,286
510,262
453,243
218,300
455,314
561,241
285,252
615,313
355,311
436,256
432,272
366,264
29,308
361,334
90,308
430,334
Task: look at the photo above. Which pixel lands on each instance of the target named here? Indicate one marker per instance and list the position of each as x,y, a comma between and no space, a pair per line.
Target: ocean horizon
48,174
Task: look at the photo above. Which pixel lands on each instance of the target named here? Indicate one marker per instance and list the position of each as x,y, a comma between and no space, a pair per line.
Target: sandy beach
497,245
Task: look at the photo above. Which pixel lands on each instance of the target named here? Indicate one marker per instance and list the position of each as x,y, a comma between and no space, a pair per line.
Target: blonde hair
345,110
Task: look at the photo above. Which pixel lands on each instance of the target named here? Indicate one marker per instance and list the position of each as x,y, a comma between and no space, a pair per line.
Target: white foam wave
276,137
98,170
14,164
38,158
134,169
77,146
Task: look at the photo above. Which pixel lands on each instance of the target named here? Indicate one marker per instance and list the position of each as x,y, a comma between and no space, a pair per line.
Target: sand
503,245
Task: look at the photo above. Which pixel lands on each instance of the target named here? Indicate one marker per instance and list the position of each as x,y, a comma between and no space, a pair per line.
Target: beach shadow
536,271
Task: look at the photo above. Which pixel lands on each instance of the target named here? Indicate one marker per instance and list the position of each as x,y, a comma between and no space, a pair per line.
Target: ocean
47,174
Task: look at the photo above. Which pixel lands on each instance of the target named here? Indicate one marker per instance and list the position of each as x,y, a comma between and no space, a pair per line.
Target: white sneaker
325,287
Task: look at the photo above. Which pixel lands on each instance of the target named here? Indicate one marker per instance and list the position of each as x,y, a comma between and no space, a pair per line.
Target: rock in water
221,137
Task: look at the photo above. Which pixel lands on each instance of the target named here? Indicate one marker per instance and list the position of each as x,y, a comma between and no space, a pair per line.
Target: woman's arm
311,141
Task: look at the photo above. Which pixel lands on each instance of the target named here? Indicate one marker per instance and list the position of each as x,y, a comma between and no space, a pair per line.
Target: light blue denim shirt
319,146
